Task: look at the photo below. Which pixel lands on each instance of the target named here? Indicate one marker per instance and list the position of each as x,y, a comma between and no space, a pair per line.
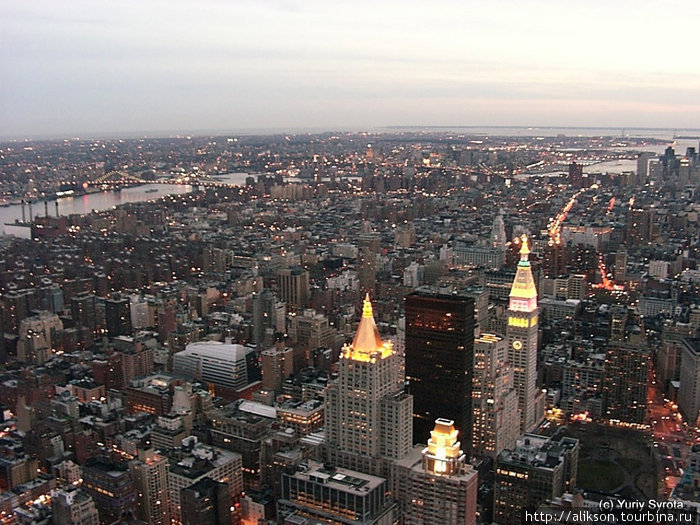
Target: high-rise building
243,428
18,305
367,250
368,414
110,484
206,501
229,368
117,315
498,234
136,355
268,316
318,493
576,175
196,462
72,505
38,336
554,261
436,484
640,226
496,420
277,365
17,469
689,391
643,165
621,265
537,469
150,474
293,287
152,394
107,371
625,380
522,337
51,298
440,360
312,330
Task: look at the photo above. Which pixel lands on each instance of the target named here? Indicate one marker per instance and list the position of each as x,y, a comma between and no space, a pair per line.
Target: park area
614,460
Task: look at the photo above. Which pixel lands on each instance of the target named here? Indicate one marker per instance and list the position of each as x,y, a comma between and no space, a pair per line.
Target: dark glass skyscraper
440,360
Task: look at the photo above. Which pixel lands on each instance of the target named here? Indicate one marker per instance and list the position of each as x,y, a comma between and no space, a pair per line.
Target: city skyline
297,261
206,355
78,69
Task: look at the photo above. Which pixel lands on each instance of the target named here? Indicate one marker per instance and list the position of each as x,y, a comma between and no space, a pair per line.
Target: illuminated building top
523,293
443,452
367,345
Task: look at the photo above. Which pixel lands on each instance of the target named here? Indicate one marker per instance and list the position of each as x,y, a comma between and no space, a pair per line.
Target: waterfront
87,203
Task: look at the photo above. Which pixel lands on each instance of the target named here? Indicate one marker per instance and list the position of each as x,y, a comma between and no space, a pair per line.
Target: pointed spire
367,344
367,337
523,288
524,249
367,308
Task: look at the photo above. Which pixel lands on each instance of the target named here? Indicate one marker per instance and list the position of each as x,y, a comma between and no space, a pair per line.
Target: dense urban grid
416,327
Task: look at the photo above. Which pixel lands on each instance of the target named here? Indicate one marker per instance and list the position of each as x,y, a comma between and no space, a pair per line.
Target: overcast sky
69,67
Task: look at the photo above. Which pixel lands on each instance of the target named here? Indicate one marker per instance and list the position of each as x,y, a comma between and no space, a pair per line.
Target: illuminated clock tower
522,342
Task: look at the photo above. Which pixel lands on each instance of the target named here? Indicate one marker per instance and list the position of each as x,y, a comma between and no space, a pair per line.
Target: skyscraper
621,265
293,287
110,484
118,315
498,233
436,484
640,226
495,402
277,365
576,175
536,470
367,249
625,380
195,462
228,368
206,501
440,360
521,335
689,392
268,315
150,474
368,414
72,505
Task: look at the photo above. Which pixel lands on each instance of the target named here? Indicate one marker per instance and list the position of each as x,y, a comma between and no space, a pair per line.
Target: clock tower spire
521,334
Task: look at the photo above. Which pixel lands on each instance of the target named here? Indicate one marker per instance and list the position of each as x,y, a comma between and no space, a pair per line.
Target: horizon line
261,132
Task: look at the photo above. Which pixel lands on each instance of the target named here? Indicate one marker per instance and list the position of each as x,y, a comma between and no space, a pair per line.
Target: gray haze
69,67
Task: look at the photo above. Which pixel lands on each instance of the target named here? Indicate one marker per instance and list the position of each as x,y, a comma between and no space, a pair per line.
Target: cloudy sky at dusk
69,67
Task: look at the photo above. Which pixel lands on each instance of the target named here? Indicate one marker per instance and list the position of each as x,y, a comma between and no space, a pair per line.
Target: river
102,200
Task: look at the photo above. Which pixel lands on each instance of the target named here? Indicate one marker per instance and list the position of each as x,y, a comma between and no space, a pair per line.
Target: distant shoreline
531,131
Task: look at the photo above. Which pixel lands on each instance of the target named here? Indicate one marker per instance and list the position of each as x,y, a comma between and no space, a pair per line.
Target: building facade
496,414
440,360
368,414
537,469
228,367
522,337
150,474
436,484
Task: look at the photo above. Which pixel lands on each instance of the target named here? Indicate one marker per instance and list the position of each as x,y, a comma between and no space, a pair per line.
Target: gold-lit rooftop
524,284
367,345
443,451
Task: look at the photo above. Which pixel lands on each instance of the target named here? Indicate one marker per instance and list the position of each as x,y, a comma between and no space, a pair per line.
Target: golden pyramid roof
524,284
367,343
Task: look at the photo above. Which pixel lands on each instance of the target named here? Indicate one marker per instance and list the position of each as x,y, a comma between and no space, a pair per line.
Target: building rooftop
216,350
339,478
